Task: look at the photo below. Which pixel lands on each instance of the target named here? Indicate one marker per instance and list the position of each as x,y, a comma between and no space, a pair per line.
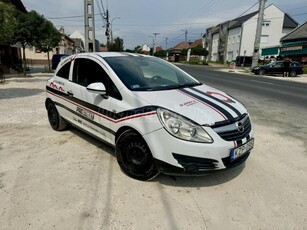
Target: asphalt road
271,102
287,92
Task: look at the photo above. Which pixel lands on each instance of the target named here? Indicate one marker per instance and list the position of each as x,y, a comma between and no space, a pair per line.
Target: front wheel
134,156
55,120
261,72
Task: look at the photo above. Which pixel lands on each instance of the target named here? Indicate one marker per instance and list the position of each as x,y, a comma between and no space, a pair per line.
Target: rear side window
64,71
86,71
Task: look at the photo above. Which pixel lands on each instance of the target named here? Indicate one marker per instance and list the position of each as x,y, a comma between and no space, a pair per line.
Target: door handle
70,93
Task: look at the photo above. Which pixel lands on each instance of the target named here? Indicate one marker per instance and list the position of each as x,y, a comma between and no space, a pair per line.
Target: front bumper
177,157
198,166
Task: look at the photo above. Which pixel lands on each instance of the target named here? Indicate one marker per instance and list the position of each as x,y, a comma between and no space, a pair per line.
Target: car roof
111,54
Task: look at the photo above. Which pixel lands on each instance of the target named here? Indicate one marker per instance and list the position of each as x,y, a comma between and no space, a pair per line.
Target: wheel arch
124,129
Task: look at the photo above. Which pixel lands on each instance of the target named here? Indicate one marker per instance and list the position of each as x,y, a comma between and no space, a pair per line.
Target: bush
305,69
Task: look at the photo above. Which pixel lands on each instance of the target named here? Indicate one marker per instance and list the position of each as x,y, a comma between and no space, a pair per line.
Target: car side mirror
97,88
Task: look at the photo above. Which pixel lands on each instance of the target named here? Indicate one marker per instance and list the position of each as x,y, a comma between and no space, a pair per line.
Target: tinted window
278,64
87,71
143,73
64,71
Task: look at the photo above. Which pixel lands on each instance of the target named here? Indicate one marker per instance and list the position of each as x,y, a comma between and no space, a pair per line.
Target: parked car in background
277,67
56,58
158,118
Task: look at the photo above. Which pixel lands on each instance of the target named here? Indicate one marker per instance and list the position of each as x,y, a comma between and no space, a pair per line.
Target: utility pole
166,38
107,18
154,48
258,33
89,23
186,37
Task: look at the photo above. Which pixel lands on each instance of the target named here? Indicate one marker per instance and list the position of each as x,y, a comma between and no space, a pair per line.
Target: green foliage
199,50
161,53
117,45
7,22
305,69
50,37
184,51
28,29
137,49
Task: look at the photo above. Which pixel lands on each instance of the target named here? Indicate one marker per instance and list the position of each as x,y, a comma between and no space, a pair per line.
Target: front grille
195,164
231,132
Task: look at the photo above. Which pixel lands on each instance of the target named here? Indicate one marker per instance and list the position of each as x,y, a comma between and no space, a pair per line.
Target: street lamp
112,28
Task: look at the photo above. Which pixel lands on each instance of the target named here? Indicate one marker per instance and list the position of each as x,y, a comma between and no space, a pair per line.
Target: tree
7,22
199,50
50,38
161,53
28,31
118,45
138,49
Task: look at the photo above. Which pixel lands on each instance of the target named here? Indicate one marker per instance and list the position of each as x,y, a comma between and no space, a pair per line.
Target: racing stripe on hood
223,112
218,100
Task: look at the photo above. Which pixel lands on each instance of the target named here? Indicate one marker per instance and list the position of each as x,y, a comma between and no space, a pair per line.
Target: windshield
147,74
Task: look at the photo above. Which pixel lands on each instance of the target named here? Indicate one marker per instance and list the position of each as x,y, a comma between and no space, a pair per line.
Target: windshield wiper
180,86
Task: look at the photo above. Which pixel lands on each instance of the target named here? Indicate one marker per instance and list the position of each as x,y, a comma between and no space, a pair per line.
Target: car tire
55,120
261,72
134,156
292,74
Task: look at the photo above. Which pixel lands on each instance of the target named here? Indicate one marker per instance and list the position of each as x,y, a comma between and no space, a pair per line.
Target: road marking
268,83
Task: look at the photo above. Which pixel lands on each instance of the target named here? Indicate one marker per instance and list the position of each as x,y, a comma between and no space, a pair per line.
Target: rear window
64,71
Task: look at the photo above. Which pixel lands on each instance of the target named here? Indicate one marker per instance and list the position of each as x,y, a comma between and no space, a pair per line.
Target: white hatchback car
158,118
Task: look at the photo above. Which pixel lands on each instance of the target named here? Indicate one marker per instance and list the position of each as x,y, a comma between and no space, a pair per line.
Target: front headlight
182,128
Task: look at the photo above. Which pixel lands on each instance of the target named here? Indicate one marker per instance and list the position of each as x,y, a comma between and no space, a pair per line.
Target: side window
64,71
87,71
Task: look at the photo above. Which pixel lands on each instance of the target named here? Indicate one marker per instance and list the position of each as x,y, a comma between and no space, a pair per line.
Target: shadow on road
201,181
18,92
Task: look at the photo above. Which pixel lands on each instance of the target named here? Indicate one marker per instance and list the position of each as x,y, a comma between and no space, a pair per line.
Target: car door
277,68
90,109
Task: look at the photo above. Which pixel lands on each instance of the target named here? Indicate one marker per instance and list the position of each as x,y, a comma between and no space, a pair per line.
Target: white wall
273,32
233,43
215,44
248,36
31,53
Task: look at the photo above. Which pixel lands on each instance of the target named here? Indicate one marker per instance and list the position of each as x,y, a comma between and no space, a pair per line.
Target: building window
264,39
266,23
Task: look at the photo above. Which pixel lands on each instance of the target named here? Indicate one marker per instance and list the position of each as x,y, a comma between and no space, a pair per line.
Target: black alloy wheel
134,156
56,122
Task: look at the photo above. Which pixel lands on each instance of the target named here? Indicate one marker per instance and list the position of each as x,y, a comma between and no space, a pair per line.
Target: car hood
202,104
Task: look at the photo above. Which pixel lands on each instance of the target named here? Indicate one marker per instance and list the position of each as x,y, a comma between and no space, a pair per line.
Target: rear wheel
55,120
292,74
134,156
261,72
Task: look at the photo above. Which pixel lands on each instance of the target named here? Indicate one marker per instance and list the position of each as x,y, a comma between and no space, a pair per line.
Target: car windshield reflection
149,74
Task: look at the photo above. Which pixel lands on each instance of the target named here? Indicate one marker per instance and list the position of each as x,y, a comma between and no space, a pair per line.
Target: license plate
241,150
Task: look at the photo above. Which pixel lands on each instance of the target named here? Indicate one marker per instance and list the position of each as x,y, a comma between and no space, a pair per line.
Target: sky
135,21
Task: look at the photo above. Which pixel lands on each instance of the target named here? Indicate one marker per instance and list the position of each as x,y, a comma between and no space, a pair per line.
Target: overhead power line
248,9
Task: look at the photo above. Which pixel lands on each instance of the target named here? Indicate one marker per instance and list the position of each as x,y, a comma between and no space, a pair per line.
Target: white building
240,37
